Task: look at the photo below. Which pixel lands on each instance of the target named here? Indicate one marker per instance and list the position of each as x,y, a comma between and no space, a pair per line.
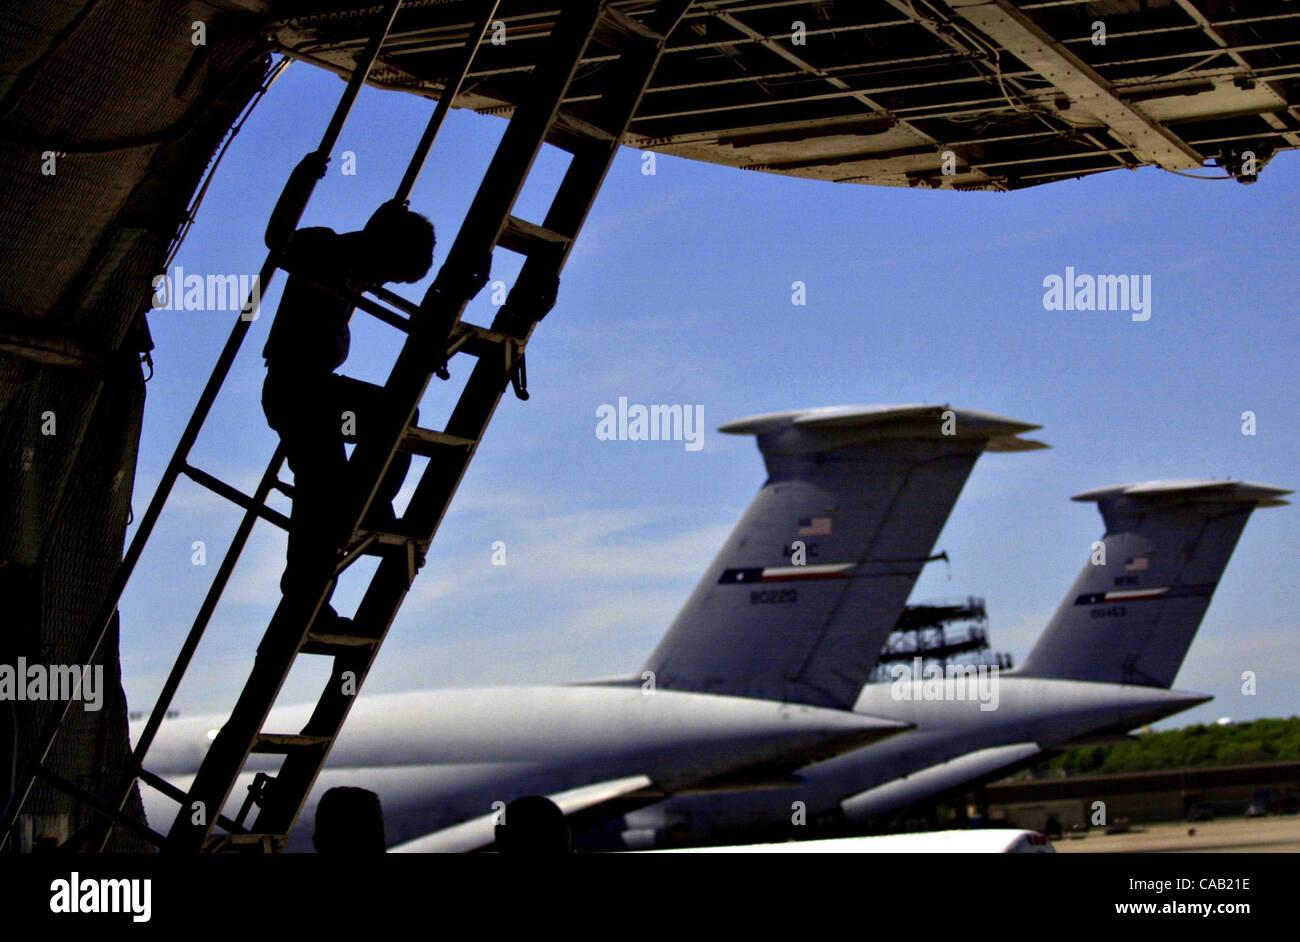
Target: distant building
1165,795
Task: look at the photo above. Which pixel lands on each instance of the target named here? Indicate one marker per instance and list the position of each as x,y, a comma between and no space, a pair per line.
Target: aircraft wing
480,832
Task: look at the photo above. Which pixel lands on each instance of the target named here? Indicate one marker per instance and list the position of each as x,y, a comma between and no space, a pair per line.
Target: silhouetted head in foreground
533,825
349,821
395,245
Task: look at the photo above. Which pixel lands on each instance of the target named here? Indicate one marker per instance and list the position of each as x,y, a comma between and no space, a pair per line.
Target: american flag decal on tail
814,526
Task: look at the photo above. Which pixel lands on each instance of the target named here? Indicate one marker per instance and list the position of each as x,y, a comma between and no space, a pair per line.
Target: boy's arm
293,200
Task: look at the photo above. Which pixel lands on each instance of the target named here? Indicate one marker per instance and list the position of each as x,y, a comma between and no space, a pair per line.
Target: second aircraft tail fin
1132,613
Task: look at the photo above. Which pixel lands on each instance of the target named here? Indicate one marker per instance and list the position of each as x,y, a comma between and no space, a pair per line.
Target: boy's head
399,244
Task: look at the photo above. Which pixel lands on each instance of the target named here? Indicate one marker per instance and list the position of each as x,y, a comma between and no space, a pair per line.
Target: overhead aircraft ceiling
968,94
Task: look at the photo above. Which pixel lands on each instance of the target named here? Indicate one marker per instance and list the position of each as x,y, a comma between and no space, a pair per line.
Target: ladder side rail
469,260
357,79
297,775
449,92
213,782
519,146
199,626
536,281
108,609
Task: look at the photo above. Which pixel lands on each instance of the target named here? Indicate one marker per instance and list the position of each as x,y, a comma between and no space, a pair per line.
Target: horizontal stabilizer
835,426
1190,490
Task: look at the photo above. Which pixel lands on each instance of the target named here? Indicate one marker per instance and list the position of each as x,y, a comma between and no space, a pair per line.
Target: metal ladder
435,334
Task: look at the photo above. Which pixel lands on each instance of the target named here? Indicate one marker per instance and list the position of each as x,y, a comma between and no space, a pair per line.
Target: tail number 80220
773,596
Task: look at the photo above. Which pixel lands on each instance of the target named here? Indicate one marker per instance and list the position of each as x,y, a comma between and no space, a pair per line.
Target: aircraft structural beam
1017,34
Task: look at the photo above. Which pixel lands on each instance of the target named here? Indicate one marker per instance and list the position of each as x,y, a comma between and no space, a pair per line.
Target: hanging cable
192,210
1197,176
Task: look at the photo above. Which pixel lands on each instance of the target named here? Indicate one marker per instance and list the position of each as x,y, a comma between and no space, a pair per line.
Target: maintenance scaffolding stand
940,633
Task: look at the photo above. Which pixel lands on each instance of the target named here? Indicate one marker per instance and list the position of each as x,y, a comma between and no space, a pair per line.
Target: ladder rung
614,25
235,496
216,842
335,644
476,341
571,132
359,300
427,442
410,308
155,781
524,237
284,743
381,538
377,543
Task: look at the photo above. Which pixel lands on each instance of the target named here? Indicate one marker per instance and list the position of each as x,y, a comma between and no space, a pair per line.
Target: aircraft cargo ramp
968,94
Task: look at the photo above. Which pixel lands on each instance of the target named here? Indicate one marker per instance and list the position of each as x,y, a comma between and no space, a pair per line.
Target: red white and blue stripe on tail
785,573
1142,595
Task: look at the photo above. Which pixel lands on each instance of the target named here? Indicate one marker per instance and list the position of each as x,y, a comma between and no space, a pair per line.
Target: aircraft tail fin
798,603
1132,613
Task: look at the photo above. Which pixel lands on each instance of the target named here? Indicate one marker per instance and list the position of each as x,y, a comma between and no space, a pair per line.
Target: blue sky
679,291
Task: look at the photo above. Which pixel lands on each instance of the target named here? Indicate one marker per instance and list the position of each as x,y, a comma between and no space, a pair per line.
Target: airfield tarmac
1224,836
